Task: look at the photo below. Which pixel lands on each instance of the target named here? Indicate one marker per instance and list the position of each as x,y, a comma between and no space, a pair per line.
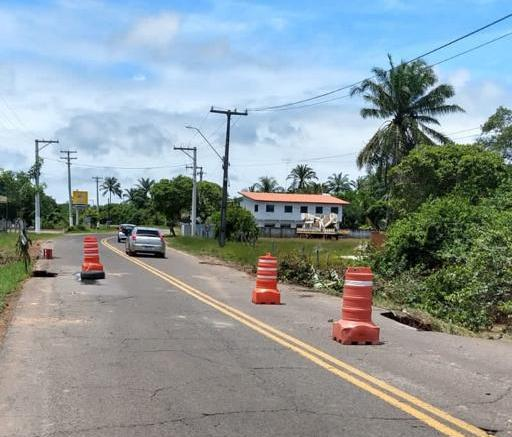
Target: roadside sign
80,197
3,199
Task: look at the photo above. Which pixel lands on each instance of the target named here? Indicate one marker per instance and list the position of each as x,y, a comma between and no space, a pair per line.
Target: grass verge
12,271
320,253
11,276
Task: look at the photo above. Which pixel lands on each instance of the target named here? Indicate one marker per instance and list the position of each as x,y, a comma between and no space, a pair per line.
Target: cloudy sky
119,80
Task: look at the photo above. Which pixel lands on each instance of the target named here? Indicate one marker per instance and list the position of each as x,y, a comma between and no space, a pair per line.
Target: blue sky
119,80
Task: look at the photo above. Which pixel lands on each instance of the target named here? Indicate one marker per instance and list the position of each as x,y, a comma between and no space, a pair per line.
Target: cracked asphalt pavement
133,355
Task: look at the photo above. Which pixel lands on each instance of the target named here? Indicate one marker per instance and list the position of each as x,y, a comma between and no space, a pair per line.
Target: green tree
497,132
268,184
111,186
407,98
431,172
172,198
339,183
144,186
210,195
240,224
301,176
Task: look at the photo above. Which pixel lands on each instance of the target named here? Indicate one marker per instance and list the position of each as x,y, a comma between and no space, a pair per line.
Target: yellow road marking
321,358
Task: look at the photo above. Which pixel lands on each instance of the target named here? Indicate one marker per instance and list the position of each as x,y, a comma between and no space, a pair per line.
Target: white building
283,210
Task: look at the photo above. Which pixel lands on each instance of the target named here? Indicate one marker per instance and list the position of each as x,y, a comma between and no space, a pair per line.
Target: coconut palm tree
144,185
339,183
407,98
130,194
268,184
111,186
302,176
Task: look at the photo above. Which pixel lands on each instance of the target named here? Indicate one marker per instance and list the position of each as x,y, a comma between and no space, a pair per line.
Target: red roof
294,198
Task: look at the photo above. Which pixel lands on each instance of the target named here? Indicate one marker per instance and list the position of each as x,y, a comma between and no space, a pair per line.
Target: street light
206,139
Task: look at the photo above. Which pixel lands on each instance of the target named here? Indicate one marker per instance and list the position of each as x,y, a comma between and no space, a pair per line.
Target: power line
113,167
344,96
328,93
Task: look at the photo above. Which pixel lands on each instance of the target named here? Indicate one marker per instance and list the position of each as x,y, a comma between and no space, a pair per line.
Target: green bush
240,224
452,259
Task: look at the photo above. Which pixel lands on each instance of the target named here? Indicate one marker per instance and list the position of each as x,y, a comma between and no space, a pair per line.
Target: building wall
279,217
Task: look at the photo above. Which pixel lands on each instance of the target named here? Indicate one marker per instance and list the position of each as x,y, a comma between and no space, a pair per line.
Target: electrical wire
328,93
116,167
344,96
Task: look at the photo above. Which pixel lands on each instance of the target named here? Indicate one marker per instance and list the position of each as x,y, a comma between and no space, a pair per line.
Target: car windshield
127,229
148,233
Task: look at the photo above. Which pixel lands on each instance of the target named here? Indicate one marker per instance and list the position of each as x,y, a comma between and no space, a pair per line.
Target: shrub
240,224
452,259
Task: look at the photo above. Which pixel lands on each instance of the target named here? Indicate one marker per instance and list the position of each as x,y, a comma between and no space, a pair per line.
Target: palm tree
302,176
111,186
339,183
144,185
267,184
408,99
130,194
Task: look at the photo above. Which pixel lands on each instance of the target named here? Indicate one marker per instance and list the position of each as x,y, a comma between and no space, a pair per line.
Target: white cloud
154,33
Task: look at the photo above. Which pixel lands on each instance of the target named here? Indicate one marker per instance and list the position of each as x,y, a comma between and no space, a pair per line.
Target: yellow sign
80,197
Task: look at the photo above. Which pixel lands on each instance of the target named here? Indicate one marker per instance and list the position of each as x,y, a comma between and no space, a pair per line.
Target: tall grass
323,253
11,275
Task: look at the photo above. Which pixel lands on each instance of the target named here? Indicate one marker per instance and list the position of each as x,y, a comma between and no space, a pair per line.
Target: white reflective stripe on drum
267,269
359,283
269,278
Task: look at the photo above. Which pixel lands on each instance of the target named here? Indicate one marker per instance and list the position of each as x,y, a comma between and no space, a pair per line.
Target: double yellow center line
427,413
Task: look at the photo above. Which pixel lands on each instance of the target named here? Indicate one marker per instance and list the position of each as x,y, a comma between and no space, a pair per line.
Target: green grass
11,276
12,271
329,251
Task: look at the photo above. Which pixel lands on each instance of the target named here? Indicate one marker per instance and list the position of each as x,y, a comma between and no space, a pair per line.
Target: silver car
145,240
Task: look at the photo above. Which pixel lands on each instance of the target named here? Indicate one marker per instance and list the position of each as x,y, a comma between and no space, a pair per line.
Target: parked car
124,231
145,240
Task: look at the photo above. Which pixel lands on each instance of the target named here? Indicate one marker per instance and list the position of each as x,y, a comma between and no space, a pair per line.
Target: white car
124,231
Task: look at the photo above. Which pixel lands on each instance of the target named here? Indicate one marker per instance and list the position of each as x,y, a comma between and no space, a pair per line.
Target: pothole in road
408,319
43,274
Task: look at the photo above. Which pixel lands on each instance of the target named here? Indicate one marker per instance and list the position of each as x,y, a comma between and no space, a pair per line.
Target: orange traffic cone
266,291
91,266
356,326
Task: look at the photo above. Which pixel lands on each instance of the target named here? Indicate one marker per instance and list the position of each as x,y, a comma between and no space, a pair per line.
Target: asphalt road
173,347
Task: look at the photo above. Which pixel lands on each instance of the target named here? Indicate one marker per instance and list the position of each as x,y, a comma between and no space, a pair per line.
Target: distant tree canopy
430,172
497,133
302,177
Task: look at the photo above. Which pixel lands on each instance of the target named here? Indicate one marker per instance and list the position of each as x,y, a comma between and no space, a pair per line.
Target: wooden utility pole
225,166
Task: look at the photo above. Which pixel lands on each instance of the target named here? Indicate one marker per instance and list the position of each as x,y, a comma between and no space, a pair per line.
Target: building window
303,209
334,209
270,225
319,209
256,208
288,208
269,208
